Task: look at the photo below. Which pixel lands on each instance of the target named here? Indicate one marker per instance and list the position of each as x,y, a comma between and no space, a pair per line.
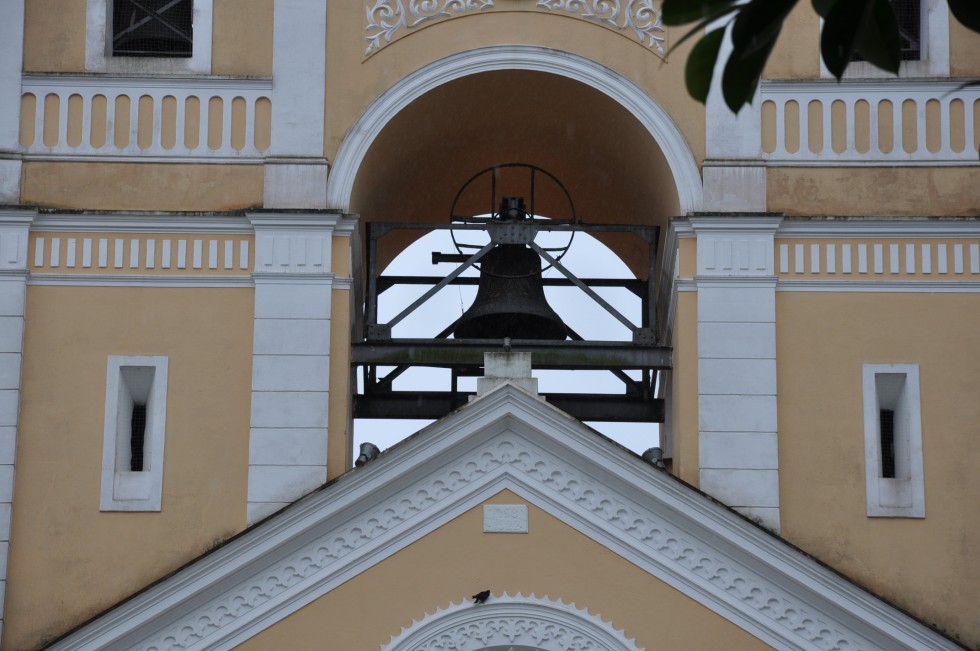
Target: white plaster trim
680,159
98,45
148,158
11,64
893,227
880,286
141,223
93,280
506,440
507,621
904,495
123,490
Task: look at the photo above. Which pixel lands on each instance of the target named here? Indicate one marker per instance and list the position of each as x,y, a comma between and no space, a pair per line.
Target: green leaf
879,42
681,12
758,23
742,73
824,7
701,64
967,12
696,30
840,29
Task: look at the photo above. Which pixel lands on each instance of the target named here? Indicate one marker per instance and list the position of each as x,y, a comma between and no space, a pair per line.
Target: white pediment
506,440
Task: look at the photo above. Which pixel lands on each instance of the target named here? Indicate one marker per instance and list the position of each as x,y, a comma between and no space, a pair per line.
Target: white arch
651,115
511,621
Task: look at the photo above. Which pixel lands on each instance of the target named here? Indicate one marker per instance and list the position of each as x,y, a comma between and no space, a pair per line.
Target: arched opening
612,166
617,152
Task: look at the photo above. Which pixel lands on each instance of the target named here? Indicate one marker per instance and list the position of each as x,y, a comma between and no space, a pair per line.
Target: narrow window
893,441
137,437
153,28
135,423
886,424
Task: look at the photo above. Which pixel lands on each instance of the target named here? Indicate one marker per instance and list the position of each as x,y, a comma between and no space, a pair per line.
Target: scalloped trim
511,621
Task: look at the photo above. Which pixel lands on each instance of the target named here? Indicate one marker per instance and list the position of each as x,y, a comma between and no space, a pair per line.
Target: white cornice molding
145,82
507,439
834,87
881,286
130,222
892,227
120,280
660,125
509,621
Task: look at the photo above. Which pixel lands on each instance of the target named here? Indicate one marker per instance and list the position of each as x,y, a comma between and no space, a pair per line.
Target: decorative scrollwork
386,17
642,18
511,622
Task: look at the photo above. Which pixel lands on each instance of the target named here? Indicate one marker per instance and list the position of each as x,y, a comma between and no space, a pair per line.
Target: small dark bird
481,597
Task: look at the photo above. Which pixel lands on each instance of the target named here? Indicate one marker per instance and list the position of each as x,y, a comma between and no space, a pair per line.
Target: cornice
121,280
507,439
130,222
892,227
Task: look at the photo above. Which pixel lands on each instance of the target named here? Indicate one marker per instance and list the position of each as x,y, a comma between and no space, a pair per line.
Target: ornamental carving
511,622
639,19
388,20
386,17
632,522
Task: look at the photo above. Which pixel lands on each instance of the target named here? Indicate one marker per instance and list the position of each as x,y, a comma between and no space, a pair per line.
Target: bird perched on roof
481,597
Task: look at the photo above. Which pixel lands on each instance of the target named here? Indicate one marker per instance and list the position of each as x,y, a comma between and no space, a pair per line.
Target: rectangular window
893,440
148,37
924,40
152,28
908,13
134,433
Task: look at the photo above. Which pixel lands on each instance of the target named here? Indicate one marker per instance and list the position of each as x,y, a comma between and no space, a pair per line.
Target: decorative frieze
202,119
387,17
894,122
388,20
864,259
639,19
140,254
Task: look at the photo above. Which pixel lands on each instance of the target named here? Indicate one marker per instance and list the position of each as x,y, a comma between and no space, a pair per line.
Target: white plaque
505,518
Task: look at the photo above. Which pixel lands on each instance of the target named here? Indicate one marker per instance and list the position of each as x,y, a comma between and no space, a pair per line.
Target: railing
870,121
199,118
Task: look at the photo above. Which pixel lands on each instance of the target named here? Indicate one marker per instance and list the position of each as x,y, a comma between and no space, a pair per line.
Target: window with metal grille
152,28
909,16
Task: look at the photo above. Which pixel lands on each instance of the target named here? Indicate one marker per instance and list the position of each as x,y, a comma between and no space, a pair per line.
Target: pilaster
737,432
296,170
11,63
14,228
290,358
734,174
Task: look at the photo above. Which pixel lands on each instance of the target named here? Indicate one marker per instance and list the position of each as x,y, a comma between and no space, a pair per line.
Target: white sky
587,258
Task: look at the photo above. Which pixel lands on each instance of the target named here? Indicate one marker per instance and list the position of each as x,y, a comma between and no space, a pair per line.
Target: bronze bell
510,301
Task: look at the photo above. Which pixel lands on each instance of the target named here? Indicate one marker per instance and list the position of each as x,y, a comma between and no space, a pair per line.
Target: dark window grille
137,438
886,423
152,28
909,16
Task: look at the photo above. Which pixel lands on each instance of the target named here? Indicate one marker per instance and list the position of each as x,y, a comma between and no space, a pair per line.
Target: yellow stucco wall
349,94
871,191
54,36
459,560
685,389
142,186
927,566
68,560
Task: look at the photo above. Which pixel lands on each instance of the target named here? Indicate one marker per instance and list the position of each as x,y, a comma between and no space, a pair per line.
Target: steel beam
546,354
435,404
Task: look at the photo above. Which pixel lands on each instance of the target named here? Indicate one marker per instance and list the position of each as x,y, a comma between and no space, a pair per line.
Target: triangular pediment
507,440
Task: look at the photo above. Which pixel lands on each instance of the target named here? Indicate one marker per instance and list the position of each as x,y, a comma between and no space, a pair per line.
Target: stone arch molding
511,622
656,120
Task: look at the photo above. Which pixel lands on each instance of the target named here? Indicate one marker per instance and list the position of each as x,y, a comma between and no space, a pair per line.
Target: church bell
510,300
